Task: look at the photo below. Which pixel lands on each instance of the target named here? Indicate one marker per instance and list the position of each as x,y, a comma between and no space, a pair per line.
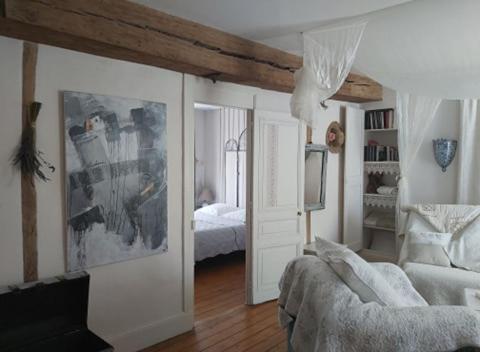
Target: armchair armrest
433,328
400,282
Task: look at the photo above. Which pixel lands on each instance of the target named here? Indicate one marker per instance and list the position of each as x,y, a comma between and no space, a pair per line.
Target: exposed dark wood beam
29,194
128,31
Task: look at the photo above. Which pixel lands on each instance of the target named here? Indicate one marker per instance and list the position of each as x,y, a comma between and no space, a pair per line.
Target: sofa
439,285
324,311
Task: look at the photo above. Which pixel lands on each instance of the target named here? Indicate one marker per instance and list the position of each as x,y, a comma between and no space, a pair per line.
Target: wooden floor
222,321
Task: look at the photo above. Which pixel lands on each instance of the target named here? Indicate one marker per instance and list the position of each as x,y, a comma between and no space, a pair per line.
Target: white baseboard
151,334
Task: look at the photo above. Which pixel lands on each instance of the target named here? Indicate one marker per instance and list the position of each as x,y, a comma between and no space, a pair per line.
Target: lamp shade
444,151
205,196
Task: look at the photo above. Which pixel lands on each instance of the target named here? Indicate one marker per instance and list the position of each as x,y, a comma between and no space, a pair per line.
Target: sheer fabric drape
414,116
327,60
468,190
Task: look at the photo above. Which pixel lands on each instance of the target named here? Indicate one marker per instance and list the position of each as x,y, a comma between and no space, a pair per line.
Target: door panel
353,179
278,223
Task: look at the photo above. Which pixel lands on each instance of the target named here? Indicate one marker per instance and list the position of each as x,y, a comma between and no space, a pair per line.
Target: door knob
299,213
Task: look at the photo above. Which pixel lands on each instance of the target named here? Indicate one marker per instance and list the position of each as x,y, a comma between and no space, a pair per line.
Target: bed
219,229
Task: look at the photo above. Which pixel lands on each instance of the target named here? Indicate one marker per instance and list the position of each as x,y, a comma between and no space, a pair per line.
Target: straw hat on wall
335,138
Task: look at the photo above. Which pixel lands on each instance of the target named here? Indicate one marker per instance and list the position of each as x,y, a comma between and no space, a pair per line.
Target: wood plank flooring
222,321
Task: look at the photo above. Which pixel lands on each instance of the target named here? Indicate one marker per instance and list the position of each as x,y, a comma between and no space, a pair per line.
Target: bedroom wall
207,139
428,183
134,303
199,151
213,127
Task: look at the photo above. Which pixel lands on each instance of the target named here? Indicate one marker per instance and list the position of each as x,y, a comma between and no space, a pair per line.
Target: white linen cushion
239,215
427,248
359,275
415,223
325,246
217,209
400,282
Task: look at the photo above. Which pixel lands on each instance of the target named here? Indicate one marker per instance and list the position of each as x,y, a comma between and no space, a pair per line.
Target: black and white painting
116,165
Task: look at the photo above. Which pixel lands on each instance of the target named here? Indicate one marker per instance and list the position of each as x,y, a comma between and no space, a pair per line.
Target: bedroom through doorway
221,231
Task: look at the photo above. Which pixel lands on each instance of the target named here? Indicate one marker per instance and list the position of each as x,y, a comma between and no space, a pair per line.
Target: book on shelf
379,119
380,153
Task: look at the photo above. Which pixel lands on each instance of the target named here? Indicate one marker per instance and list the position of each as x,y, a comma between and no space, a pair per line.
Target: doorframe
197,89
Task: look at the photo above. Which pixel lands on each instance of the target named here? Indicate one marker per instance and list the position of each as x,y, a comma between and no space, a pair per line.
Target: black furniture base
48,316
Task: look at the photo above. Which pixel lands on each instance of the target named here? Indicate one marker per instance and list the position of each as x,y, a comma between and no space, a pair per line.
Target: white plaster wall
427,181
139,302
327,223
213,154
207,142
199,151
11,253
135,303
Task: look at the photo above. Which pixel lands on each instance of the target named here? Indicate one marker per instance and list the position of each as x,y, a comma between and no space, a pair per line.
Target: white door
277,217
353,179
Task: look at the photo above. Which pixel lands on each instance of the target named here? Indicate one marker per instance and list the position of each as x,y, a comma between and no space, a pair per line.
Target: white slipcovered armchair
444,285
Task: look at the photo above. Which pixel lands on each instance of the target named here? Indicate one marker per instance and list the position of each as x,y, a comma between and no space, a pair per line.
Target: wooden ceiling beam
127,31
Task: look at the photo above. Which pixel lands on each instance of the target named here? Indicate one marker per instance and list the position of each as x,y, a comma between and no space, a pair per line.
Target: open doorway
221,231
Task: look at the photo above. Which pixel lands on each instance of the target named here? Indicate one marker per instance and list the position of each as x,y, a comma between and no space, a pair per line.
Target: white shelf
379,200
373,227
371,255
382,130
382,167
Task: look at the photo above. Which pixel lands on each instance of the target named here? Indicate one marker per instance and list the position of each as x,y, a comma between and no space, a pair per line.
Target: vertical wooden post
309,213
29,194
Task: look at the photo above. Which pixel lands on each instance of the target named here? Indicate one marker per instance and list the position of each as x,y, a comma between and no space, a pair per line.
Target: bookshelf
381,168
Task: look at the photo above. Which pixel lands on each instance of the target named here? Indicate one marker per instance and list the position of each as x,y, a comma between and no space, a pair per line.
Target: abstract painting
116,179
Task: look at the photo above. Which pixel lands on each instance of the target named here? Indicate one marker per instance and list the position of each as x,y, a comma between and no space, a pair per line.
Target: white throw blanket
463,222
330,317
451,218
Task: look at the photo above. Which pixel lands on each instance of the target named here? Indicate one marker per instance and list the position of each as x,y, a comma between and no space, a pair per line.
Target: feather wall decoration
27,158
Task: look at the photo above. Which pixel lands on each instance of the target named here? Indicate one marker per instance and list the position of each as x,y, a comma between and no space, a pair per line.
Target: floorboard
222,320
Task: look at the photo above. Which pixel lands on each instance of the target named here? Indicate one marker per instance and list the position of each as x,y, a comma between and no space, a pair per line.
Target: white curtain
468,191
328,55
414,116
233,123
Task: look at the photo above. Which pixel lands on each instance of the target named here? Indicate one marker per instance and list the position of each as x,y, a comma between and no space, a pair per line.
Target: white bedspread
329,317
216,235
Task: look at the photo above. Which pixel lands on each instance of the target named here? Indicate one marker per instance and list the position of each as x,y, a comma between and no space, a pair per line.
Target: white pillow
427,248
400,282
238,215
324,247
217,209
360,276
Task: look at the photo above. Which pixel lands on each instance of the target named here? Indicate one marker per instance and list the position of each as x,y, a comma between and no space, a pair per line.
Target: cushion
324,247
400,282
238,215
358,275
217,209
427,248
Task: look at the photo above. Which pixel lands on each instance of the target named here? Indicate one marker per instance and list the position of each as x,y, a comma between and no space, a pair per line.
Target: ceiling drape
327,60
414,116
468,189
